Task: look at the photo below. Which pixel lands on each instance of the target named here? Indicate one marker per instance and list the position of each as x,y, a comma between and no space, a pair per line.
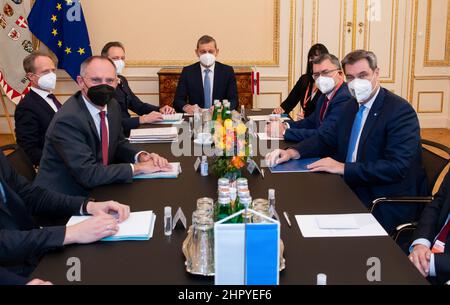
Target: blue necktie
357,125
2,194
207,89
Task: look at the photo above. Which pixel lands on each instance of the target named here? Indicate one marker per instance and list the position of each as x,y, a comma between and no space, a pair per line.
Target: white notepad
264,137
341,225
154,135
139,226
176,170
257,118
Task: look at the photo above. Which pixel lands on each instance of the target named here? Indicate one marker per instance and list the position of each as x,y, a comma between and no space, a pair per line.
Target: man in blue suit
329,78
9,278
430,249
205,81
375,145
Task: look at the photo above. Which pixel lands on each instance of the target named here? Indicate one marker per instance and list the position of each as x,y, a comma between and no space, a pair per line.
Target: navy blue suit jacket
431,222
32,116
128,100
22,241
389,155
312,125
9,278
190,86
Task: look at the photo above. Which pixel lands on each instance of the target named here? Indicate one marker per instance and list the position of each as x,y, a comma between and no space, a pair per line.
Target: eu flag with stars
61,26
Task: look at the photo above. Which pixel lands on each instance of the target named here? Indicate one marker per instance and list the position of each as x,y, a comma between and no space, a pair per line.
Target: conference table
160,260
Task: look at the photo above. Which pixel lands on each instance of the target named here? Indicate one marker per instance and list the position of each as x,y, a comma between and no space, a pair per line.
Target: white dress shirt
368,106
211,78
44,94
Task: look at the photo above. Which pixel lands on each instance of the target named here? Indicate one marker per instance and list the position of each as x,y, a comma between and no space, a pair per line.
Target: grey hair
357,55
334,60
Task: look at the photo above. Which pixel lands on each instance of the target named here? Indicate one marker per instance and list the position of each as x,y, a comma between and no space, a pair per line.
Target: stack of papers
340,225
174,119
176,170
265,137
154,135
139,226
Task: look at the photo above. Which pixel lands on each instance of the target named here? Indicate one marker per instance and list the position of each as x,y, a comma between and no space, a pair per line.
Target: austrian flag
22,22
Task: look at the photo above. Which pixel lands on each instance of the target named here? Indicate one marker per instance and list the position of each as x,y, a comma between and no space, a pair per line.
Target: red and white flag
255,82
15,42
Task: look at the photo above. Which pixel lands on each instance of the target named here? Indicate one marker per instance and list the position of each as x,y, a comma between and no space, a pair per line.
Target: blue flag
60,25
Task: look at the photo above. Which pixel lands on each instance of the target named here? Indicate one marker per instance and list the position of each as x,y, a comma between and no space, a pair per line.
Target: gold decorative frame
430,92
427,61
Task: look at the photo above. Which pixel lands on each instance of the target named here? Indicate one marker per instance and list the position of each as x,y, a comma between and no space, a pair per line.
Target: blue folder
293,166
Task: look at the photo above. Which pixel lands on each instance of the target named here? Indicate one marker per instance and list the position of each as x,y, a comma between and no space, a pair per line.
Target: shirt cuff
137,156
432,266
420,241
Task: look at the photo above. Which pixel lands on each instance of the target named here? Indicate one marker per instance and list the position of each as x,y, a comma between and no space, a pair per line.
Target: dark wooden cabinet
168,80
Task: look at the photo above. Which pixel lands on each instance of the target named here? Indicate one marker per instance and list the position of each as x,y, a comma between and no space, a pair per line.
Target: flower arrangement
231,142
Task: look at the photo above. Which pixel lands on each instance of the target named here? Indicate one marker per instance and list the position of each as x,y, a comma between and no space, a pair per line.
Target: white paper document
339,225
176,170
257,118
264,137
172,119
139,226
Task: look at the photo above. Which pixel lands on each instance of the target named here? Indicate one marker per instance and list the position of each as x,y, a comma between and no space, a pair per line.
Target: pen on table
286,216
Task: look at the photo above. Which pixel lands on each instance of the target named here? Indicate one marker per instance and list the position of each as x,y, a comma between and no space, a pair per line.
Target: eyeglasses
99,80
324,73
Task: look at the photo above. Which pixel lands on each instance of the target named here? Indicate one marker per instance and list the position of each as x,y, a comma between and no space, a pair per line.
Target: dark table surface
160,259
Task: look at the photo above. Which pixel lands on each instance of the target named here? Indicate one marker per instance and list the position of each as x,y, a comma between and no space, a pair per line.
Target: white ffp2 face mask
361,89
207,59
120,64
47,81
325,84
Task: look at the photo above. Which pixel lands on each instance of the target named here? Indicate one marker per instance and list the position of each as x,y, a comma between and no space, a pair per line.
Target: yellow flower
228,124
241,129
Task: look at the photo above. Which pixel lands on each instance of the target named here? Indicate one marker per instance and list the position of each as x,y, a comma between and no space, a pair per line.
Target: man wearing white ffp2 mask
127,100
328,76
205,81
37,108
375,145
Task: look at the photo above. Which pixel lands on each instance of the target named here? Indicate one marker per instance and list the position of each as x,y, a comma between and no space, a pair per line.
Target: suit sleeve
27,133
442,265
20,246
307,127
427,227
232,93
181,94
400,147
134,103
70,143
9,278
294,96
40,201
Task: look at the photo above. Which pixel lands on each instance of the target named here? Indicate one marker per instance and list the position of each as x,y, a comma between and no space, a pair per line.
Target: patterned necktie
324,108
55,100
207,89
439,244
356,130
104,137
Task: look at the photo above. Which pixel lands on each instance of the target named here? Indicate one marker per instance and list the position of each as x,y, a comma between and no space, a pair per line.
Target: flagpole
7,115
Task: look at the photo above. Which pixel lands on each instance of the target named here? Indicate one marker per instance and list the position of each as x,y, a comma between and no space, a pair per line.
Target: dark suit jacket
190,86
297,95
312,125
32,117
430,224
22,242
389,155
128,100
72,159
9,278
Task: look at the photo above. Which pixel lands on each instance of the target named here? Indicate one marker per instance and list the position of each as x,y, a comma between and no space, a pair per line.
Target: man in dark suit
430,250
127,100
23,242
9,278
205,81
375,145
329,78
34,113
85,146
